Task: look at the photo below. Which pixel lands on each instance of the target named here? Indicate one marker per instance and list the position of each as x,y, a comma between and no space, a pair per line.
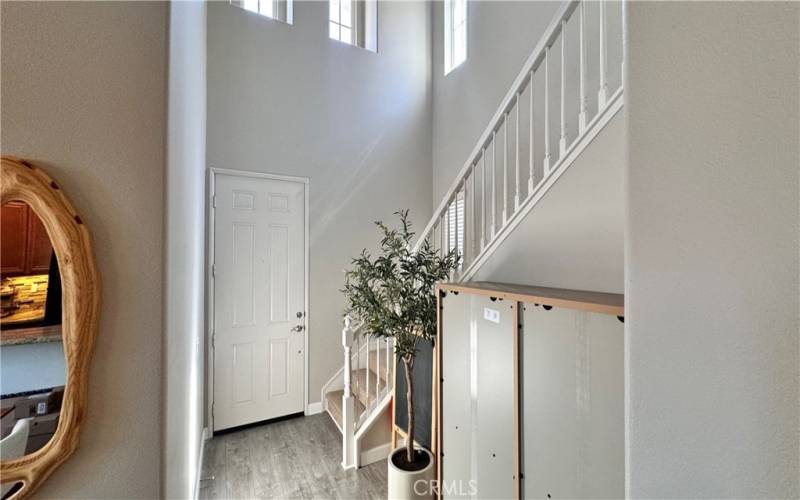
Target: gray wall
356,122
501,36
712,250
184,349
84,94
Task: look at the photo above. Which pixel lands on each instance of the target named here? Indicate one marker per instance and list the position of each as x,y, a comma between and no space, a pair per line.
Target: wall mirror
49,303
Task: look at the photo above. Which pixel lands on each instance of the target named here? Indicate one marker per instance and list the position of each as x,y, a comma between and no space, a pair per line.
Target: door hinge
213,270
214,201
212,411
213,339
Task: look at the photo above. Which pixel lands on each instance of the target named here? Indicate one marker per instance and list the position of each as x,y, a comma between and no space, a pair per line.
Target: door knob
298,328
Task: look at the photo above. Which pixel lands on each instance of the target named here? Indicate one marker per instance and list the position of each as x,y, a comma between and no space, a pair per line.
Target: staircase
364,392
530,142
358,396
533,138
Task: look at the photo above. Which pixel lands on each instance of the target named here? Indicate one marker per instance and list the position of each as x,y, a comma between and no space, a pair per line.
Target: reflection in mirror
32,364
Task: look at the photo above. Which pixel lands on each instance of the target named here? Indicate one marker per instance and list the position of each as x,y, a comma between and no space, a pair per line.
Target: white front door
259,296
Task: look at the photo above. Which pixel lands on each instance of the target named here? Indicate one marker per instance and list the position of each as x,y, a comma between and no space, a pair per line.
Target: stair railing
348,401
502,178
362,385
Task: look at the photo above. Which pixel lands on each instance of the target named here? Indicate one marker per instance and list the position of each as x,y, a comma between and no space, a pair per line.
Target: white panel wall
572,442
572,404
478,429
712,250
456,404
492,375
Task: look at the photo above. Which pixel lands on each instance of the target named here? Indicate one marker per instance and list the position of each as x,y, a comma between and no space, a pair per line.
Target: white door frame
212,171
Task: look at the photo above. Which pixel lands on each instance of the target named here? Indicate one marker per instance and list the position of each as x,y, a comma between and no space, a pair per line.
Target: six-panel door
259,255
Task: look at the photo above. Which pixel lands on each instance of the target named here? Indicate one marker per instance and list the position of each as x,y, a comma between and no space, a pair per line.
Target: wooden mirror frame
21,180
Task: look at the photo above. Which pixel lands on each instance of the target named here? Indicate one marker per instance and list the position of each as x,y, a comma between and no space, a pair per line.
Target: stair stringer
365,454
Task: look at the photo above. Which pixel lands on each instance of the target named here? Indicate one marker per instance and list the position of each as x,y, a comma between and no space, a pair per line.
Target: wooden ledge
599,302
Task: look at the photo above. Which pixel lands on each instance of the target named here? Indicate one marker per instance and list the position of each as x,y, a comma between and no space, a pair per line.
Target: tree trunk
408,362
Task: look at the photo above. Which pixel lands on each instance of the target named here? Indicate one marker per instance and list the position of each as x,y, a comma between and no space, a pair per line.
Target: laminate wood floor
296,458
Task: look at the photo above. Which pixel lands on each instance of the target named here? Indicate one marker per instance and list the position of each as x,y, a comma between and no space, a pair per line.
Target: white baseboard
200,457
376,454
314,408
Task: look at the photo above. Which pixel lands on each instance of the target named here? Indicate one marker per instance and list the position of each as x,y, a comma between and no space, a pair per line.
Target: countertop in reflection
33,335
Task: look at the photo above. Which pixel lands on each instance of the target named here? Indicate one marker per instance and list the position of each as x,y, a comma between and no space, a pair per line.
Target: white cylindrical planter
402,482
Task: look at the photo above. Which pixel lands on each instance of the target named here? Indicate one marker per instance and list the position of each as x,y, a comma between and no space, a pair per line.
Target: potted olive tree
393,294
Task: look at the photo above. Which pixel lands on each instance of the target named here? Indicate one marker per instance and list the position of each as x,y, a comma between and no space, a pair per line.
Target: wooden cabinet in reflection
24,244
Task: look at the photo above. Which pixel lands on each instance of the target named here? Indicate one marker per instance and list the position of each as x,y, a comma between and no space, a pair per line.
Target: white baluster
454,204
448,227
388,351
602,93
584,104
562,143
530,151
348,402
546,111
443,234
449,233
374,374
473,223
505,168
454,230
358,364
347,340
369,372
494,182
516,170
439,231
483,198
466,234
379,354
